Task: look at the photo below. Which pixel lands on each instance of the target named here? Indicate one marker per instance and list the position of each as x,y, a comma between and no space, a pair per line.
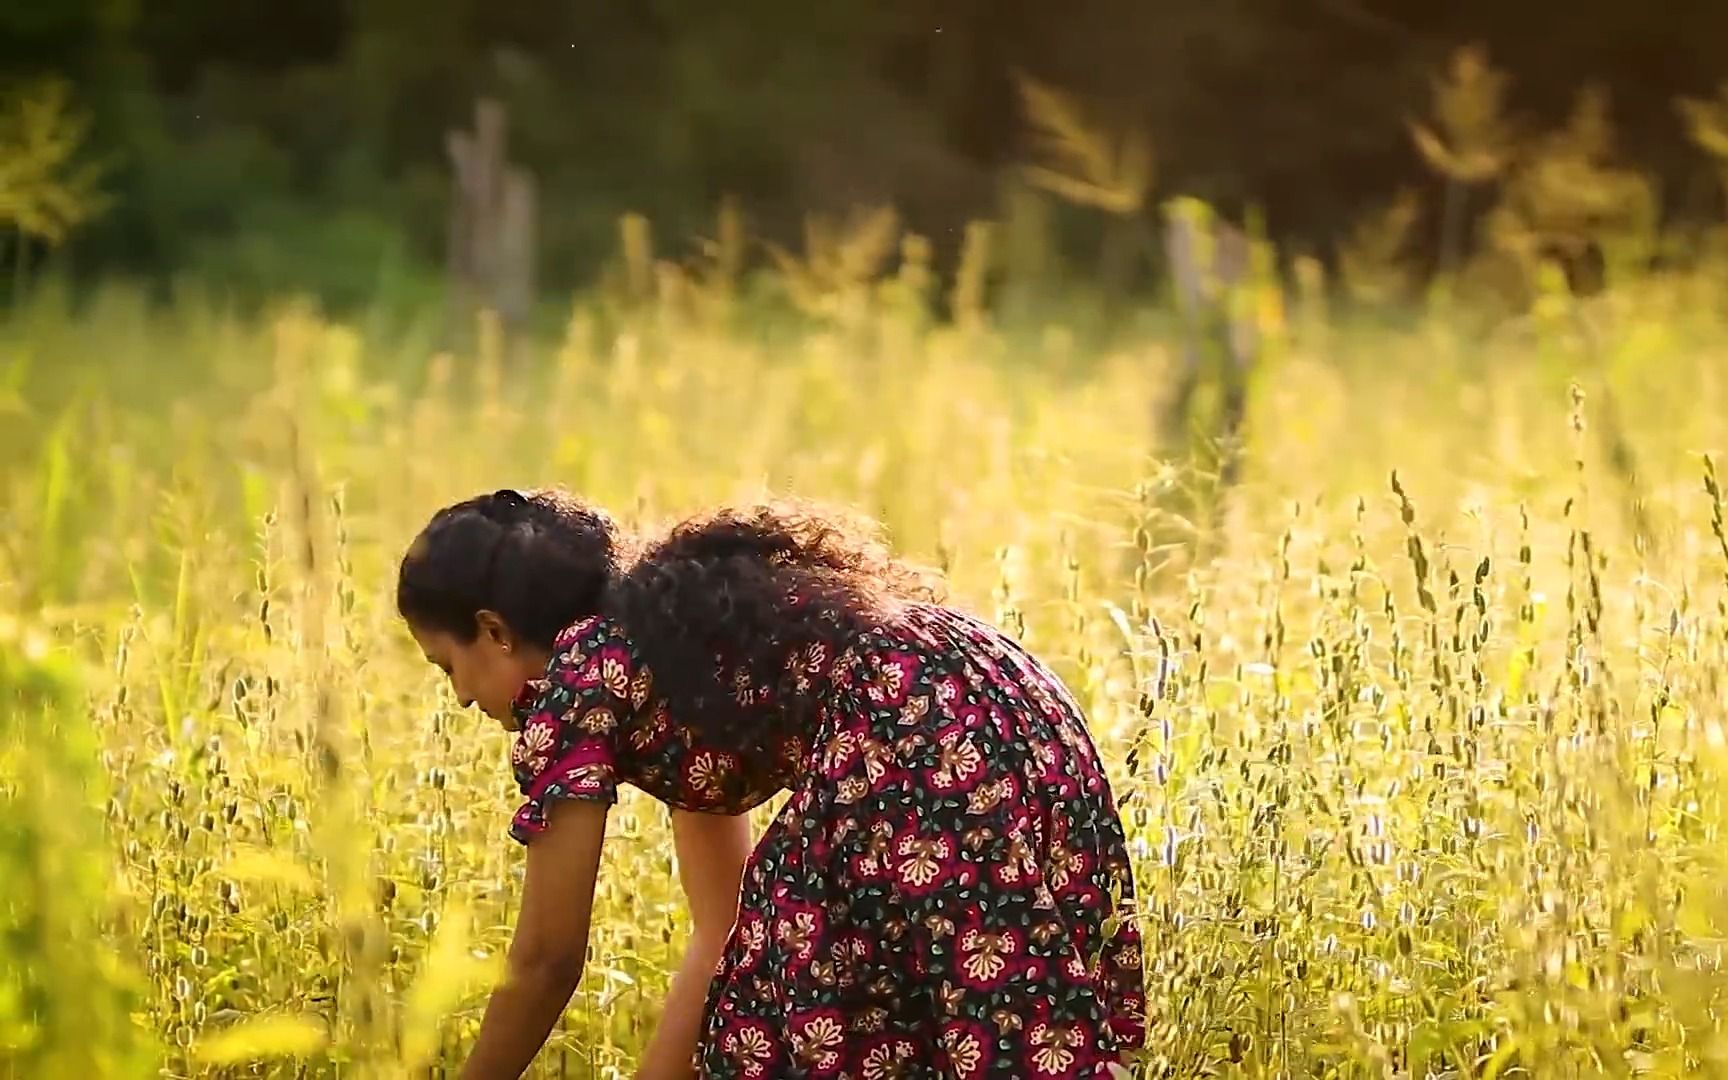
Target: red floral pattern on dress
933,898
818,1039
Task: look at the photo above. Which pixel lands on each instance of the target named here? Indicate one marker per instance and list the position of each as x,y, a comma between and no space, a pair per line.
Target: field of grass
1421,740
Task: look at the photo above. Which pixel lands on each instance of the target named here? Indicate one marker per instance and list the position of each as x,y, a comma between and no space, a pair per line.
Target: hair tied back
504,506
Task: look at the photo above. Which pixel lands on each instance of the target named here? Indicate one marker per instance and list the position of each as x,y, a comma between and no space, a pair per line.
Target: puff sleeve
568,745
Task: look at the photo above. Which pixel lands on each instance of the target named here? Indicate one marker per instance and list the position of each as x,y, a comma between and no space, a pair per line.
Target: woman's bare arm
547,949
712,850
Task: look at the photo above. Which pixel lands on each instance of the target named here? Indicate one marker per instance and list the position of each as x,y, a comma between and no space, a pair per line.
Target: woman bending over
946,892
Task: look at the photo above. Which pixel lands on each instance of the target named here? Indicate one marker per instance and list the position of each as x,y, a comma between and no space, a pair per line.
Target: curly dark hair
740,590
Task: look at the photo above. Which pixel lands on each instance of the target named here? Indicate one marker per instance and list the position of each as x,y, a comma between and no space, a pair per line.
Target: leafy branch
47,188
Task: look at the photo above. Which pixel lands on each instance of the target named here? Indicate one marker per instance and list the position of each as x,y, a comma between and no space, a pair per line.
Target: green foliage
1374,261
296,148
1566,191
1707,122
1470,141
66,996
46,190
1707,125
1088,165
352,259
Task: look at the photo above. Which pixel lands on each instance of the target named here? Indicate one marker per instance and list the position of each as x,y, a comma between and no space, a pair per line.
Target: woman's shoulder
592,660
591,642
588,631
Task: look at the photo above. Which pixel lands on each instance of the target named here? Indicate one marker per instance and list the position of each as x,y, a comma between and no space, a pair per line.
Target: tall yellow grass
1421,746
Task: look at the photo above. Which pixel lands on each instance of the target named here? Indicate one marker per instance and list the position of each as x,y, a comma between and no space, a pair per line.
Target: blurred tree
1469,142
1707,124
243,133
46,189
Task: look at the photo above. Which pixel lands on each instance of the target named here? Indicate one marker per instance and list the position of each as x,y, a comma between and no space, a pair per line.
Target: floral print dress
946,893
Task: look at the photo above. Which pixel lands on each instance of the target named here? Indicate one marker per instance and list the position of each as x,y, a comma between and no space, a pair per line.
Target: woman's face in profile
486,671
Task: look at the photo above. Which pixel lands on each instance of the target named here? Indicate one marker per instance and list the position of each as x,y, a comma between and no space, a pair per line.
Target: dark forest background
302,143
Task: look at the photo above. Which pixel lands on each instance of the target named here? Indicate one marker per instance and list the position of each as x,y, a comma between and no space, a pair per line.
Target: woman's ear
493,628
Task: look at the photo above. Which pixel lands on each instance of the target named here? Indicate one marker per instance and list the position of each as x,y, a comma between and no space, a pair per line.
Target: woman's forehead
431,642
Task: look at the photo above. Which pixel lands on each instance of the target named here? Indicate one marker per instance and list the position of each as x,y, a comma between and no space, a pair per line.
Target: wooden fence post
1210,264
493,213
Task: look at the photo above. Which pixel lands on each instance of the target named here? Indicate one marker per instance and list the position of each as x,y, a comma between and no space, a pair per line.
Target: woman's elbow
711,936
553,971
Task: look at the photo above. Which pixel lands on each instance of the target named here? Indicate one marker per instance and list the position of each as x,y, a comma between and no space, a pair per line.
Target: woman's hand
712,850
551,938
